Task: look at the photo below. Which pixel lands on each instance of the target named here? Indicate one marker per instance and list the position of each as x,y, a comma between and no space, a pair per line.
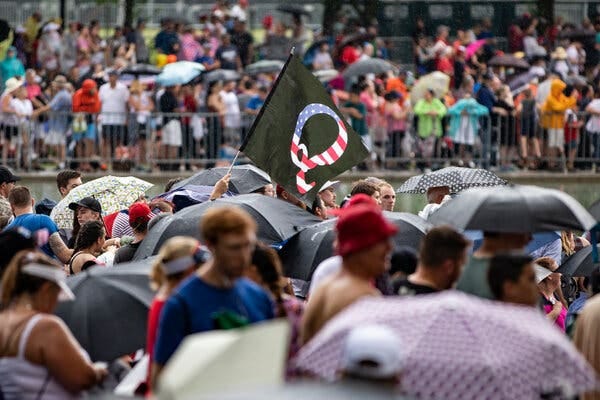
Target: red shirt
153,320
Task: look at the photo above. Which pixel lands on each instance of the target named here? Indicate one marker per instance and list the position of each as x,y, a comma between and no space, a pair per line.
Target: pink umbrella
458,346
473,47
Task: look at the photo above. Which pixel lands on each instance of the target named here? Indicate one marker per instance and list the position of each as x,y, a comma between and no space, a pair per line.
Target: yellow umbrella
438,81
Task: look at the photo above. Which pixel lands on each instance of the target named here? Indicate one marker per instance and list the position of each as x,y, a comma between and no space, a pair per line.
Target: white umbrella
231,360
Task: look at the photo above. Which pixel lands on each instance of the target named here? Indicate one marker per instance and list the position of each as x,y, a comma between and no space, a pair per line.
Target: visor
52,274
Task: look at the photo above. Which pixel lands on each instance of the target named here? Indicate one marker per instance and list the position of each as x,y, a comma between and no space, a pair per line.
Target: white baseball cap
541,273
372,351
328,184
52,274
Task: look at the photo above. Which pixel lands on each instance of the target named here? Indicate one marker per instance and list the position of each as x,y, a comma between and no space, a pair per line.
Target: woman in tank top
39,357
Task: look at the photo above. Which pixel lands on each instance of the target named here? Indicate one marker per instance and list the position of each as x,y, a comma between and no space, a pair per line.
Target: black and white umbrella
456,178
245,178
514,208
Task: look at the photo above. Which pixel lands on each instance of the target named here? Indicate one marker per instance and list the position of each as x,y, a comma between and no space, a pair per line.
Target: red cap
89,84
139,212
361,198
360,227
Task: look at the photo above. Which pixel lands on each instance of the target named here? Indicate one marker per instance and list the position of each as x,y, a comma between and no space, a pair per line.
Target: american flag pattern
327,157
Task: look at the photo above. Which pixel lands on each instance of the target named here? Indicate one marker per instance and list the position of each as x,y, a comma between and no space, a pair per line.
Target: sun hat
52,274
372,351
541,273
12,84
360,227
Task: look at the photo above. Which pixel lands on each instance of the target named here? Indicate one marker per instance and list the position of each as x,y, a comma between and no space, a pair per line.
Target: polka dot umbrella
456,178
457,346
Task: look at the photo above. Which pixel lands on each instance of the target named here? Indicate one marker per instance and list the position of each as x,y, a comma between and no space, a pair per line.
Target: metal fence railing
162,141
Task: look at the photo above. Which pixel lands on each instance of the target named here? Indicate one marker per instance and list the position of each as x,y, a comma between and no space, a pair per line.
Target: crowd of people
230,279
68,97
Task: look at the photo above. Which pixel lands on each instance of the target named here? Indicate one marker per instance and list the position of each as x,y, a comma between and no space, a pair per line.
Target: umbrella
236,359
580,263
277,220
244,179
347,389
513,208
264,67
456,178
473,47
595,210
538,240
521,80
508,60
357,37
189,195
293,9
577,34
179,73
303,252
438,81
369,66
221,75
576,80
4,30
114,194
325,75
458,346
109,314
141,69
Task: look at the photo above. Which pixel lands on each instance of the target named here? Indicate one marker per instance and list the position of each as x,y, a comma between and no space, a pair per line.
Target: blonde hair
136,87
176,247
14,283
567,242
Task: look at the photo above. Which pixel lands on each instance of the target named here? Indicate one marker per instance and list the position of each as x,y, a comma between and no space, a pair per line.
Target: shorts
89,133
116,135
171,133
10,131
556,138
528,127
572,144
55,138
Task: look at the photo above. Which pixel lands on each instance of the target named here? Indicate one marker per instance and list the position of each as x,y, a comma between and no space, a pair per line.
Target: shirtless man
365,256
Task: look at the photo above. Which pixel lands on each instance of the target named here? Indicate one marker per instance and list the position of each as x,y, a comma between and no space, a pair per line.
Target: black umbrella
244,179
513,208
357,37
109,314
276,219
293,9
303,252
580,263
221,75
369,66
508,60
456,178
520,80
595,210
4,30
141,69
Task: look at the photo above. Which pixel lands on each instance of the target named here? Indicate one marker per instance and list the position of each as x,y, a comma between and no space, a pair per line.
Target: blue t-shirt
202,303
34,223
255,103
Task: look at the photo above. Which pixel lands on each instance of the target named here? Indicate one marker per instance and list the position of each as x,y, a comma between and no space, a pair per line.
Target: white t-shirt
232,110
114,104
23,107
324,270
593,125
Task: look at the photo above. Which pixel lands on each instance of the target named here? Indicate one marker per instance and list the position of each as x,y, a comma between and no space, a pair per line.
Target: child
572,126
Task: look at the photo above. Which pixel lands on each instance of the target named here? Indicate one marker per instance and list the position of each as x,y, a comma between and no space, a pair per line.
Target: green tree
128,7
365,9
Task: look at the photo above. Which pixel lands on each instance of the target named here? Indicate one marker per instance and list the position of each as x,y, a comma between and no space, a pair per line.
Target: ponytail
268,265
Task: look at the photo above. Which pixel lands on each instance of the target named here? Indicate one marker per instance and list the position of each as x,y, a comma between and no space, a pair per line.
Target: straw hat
11,85
559,53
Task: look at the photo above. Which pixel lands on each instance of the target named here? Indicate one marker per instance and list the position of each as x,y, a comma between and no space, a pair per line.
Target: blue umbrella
539,239
179,73
189,195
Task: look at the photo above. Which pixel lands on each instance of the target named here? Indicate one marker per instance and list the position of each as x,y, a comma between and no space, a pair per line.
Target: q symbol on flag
327,157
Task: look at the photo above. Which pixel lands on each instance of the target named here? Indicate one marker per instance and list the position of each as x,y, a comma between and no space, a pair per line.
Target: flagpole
264,106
